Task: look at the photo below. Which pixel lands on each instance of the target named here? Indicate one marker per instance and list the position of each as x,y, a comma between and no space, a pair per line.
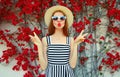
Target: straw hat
51,10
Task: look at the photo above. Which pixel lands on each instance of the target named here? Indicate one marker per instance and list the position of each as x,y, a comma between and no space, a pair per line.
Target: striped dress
58,60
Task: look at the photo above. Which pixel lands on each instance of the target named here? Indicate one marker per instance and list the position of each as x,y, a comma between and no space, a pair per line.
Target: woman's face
58,20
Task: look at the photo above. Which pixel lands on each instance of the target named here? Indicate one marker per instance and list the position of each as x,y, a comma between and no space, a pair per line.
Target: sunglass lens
54,18
62,18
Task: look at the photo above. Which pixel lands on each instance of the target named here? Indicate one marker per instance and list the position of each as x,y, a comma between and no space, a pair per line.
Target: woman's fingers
30,36
81,37
85,34
34,34
81,32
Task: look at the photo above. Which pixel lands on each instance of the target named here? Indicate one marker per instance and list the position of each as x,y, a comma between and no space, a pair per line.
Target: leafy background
100,52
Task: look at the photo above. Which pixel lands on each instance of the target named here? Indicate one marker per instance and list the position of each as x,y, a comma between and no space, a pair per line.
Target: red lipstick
59,24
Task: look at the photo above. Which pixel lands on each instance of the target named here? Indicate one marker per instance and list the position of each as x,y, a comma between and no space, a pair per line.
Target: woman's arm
73,53
73,46
42,47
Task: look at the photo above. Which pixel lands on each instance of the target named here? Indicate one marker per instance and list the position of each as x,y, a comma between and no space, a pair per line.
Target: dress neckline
57,43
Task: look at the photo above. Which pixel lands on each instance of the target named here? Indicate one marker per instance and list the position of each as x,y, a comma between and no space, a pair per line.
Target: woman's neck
58,32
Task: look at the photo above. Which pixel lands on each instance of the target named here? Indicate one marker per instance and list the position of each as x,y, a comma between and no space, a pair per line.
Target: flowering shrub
111,61
87,15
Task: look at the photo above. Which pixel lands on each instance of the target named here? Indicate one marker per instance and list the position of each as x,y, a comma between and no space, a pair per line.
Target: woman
58,51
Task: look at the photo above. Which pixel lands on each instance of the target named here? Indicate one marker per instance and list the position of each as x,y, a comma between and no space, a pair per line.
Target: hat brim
50,11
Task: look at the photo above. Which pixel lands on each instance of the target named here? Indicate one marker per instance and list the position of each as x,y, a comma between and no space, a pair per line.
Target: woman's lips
59,24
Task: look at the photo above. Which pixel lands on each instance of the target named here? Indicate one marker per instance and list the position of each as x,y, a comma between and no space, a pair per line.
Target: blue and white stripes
58,60
58,54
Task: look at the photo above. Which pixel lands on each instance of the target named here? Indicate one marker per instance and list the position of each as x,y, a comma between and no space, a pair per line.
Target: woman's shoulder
71,37
45,37
44,41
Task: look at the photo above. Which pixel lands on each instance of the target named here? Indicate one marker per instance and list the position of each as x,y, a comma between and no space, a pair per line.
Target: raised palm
80,38
35,39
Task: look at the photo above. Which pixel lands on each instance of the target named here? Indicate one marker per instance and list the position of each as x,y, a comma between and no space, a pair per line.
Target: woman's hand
35,39
80,38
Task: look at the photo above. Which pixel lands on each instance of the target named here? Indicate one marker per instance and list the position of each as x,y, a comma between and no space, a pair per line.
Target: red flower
35,47
91,2
78,29
112,61
26,30
86,21
36,30
118,44
11,16
21,58
75,24
41,75
33,55
100,68
90,14
23,37
82,48
7,30
115,67
90,36
28,74
61,2
1,42
96,22
109,61
117,55
37,69
115,39
88,41
115,30
102,38
113,3
83,60
25,66
27,9
21,44
1,32
12,49
110,55
6,2
25,51
113,12
16,67
15,22
77,8
7,54
32,67
103,60
79,26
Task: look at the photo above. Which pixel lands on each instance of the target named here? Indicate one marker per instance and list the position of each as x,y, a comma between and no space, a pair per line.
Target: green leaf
100,42
101,73
90,18
106,50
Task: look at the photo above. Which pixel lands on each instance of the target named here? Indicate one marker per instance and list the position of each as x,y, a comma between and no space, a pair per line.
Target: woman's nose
58,20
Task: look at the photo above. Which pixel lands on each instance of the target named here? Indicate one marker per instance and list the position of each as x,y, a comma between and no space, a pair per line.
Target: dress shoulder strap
48,39
68,40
